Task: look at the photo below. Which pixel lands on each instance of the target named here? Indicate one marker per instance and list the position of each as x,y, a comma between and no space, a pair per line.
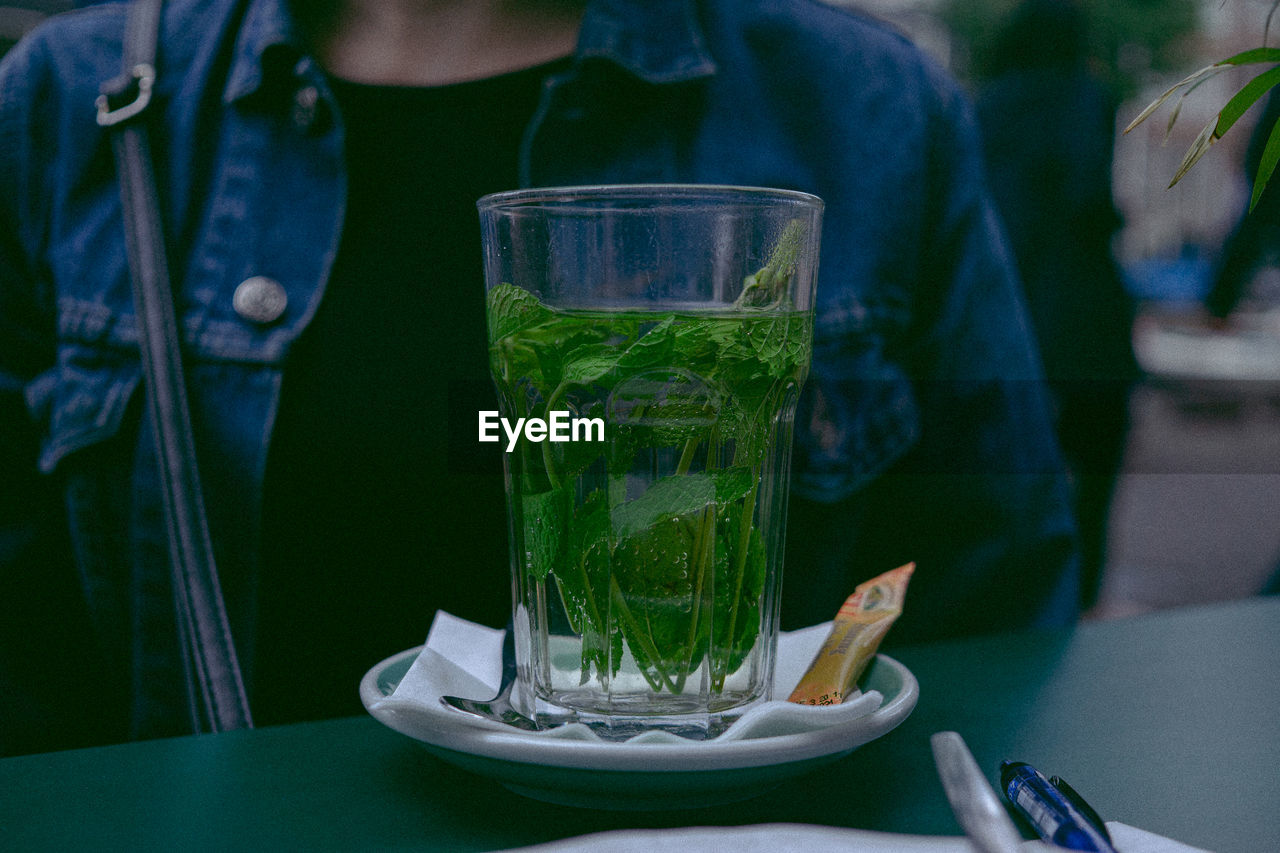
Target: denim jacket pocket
82,402
857,417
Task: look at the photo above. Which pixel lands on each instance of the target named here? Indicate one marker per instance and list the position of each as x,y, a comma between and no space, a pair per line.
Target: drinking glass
648,344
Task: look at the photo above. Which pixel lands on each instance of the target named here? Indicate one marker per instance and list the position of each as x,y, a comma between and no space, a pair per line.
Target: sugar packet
859,626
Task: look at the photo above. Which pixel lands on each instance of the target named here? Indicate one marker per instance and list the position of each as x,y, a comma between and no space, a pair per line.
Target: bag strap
216,690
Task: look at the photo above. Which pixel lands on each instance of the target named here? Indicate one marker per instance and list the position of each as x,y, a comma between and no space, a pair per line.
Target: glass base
612,727
693,721
626,704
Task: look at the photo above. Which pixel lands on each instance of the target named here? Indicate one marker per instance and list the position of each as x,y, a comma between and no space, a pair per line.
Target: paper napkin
461,658
771,838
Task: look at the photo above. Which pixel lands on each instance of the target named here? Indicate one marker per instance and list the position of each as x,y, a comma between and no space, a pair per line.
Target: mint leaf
511,309
667,498
588,365
514,364
663,407
697,345
584,583
586,564
779,341
770,285
652,570
732,484
730,651
672,573
652,349
575,458
514,360
544,516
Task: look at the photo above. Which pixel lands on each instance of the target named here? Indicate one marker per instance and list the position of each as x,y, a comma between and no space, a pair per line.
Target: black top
380,503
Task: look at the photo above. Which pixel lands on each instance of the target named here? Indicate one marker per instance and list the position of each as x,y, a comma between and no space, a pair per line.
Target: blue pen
1054,815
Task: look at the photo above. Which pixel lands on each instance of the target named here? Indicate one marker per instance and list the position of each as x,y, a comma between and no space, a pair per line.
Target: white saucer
573,767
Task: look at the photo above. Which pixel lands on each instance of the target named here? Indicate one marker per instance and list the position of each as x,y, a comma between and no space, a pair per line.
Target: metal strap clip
137,88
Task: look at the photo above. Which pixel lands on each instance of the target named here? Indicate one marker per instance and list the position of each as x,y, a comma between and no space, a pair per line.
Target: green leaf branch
1226,118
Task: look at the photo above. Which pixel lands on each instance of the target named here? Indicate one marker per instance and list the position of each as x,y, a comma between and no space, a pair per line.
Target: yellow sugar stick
859,626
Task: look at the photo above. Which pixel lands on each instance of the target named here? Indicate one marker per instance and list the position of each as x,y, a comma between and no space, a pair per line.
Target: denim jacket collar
658,41
268,27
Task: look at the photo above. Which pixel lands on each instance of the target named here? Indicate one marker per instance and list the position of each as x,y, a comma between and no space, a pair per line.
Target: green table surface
1169,722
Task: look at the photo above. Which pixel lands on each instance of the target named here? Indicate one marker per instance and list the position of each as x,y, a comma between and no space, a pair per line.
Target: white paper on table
771,838
461,658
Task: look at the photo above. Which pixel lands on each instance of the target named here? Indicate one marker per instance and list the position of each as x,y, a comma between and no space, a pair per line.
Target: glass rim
558,196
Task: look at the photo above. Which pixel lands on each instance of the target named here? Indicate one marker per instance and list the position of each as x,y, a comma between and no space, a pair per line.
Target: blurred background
1193,514
1196,510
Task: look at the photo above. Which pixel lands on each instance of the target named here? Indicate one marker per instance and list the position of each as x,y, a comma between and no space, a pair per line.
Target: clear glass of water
648,344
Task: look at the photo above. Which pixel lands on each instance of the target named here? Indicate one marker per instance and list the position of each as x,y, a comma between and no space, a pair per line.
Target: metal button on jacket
306,104
259,299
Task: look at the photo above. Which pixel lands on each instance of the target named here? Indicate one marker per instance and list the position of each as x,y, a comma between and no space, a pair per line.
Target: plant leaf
1248,57
732,484
512,309
1168,93
652,577
1173,118
584,576
670,497
544,517
1203,142
593,362
652,349
1267,165
1245,98
1177,108
1226,118
769,285
1253,56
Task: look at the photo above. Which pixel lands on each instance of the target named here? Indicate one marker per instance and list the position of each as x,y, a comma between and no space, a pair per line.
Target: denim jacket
924,417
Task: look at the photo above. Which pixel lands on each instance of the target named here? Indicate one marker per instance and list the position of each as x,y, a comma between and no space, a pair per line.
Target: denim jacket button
259,299
306,104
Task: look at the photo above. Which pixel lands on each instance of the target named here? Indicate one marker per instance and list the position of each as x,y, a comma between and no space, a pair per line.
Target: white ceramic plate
648,773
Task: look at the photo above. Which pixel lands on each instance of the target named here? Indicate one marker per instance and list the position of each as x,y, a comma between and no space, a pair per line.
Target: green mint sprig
672,574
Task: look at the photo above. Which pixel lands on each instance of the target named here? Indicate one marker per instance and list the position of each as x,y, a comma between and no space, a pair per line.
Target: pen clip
1072,796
